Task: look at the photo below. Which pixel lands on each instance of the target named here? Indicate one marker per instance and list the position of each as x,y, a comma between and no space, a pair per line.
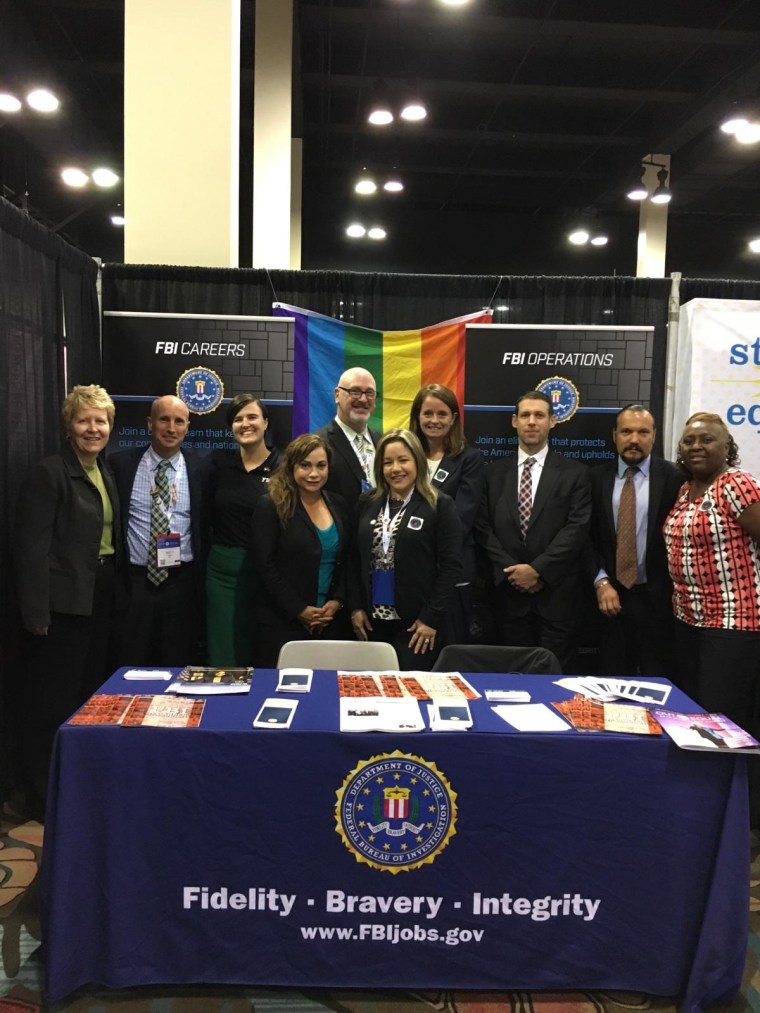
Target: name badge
366,485
383,587
168,550
440,475
415,523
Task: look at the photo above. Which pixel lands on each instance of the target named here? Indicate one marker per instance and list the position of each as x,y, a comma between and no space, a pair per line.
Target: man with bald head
163,495
351,439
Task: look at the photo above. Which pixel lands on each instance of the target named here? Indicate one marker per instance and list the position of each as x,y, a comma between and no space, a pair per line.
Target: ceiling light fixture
118,220
600,240
376,233
9,103
754,245
355,230
413,112
638,190
662,193
393,185
579,238
74,177
104,177
380,114
742,129
365,185
42,100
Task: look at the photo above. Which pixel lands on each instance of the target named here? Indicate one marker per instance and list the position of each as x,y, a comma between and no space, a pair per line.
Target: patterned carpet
21,971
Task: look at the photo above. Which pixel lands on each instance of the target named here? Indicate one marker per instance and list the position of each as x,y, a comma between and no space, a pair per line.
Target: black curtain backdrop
48,315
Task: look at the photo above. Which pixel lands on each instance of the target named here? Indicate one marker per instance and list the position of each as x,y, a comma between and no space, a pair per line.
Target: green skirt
230,610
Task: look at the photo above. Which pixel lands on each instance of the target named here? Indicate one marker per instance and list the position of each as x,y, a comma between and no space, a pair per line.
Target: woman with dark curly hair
712,536
299,544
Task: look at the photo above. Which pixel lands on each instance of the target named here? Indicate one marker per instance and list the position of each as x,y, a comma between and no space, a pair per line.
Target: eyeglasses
357,392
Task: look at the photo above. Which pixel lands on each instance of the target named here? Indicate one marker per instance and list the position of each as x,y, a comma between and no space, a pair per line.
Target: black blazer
463,478
428,558
556,537
59,523
287,559
345,475
664,482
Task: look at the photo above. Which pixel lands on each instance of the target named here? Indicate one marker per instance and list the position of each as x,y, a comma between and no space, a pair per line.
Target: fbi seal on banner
201,389
563,395
395,812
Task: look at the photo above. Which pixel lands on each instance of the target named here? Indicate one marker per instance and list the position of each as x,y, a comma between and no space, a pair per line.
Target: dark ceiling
539,114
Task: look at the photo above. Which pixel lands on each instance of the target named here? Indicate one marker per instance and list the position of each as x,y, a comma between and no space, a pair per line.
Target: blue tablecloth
588,861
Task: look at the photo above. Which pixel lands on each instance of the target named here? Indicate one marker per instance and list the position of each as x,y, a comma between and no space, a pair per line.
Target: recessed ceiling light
393,185
365,185
9,103
376,233
104,177
74,177
579,237
355,231
42,100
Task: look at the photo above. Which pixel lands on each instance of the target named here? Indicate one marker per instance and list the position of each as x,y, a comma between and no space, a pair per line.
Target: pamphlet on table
380,714
295,680
706,732
275,713
198,680
593,716
417,685
635,690
130,711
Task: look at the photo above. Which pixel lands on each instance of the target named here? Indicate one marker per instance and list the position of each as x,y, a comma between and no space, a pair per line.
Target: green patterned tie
159,522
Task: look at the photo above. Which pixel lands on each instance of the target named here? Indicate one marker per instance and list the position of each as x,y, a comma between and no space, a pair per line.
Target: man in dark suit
533,526
351,440
634,599
165,615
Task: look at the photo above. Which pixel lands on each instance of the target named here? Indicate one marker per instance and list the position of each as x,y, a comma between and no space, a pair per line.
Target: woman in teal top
299,546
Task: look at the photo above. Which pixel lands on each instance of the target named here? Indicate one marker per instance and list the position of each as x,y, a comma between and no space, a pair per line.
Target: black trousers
396,633
163,623
640,640
720,669
60,671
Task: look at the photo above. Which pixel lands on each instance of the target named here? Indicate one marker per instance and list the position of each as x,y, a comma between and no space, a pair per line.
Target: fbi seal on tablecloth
395,812
563,395
201,389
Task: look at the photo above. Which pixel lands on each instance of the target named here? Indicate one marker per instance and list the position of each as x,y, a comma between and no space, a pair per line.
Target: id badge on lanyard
168,550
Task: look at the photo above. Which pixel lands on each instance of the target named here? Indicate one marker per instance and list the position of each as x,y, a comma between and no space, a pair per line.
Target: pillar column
181,132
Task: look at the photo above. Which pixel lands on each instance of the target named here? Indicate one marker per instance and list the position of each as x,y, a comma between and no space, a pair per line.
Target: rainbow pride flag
400,361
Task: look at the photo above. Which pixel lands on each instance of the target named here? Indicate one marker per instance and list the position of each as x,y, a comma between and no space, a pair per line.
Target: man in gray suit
350,438
636,624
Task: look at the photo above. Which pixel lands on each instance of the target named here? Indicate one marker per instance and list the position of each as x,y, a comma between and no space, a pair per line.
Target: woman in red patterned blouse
712,536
